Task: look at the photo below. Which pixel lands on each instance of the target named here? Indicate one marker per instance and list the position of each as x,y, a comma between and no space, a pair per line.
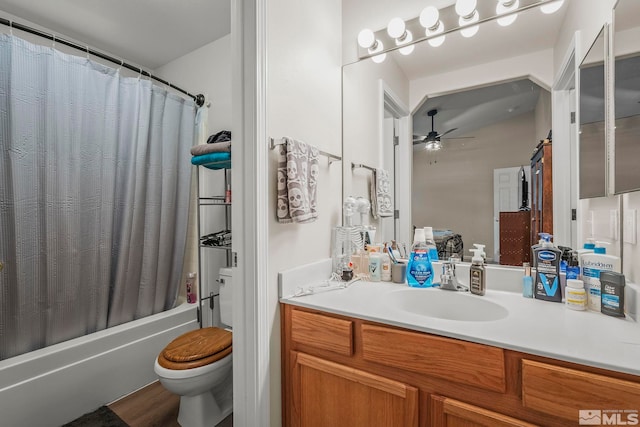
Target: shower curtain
94,195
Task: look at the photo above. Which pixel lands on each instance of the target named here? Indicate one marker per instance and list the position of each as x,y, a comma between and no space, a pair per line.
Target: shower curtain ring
87,52
11,28
53,45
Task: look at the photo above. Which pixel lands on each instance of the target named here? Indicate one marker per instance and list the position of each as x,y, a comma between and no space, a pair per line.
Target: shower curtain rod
199,99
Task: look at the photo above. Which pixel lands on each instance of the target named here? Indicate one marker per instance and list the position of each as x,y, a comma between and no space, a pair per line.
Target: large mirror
490,94
592,152
627,97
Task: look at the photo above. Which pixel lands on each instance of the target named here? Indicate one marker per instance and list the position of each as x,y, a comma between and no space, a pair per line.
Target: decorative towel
297,182
381,203
217,147
213,160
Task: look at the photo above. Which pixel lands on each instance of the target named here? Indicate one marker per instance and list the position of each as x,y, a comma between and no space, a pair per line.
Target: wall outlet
630,229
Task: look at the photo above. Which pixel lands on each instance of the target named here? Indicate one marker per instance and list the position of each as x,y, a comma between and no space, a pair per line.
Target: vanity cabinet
342,371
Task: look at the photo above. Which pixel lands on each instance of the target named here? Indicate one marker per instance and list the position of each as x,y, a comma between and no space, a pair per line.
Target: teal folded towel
213,160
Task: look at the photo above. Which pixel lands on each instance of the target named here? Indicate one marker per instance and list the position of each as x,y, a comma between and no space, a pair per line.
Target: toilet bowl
197,366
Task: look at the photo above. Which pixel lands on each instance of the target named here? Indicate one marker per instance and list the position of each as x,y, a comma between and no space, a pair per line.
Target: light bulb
465,7
378,47
379,58
396,28
366,38
408,38
502,8
551,7
472,30
429,17
436,41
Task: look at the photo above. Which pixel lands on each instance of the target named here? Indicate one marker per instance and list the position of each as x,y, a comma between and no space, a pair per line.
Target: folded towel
213,160
381,202
223,135
297,182
216,147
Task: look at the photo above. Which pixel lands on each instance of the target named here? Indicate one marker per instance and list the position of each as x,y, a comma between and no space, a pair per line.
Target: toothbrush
391,255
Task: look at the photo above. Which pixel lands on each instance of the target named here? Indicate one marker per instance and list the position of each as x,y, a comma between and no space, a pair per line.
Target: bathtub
57,384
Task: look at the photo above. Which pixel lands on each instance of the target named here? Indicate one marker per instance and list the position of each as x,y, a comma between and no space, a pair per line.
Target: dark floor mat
101,417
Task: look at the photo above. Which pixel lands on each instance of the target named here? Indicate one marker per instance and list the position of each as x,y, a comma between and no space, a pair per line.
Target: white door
506,184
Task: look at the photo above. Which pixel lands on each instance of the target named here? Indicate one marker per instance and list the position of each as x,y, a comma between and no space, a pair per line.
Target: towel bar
360,165
280,141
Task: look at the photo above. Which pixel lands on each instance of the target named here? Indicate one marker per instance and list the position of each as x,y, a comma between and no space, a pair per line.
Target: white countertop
531,326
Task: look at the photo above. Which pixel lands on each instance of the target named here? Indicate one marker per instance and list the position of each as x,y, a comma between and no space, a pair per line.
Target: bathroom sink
460,306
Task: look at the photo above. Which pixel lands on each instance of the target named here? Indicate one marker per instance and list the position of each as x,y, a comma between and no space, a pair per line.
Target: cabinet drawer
460,361
322,332
563,392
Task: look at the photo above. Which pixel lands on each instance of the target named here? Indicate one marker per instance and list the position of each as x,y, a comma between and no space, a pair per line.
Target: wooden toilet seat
196,348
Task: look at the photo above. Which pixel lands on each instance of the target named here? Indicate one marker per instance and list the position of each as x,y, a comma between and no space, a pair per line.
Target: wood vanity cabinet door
446,412
326,394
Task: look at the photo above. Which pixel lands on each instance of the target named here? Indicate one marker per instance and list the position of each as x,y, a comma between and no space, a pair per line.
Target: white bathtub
57,384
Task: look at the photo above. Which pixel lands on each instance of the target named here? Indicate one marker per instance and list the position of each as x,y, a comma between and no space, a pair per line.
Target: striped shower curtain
94,194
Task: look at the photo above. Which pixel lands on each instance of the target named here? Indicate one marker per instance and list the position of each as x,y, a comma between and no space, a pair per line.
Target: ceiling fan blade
449,131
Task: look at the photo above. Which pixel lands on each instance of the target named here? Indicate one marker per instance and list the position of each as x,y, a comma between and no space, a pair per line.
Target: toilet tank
226,289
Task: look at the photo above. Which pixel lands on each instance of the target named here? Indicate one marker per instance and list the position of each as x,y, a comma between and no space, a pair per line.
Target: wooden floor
153,406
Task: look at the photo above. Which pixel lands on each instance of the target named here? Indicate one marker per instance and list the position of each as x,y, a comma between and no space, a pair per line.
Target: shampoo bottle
419,269
385,265
527,281
547,259
592,265
477,276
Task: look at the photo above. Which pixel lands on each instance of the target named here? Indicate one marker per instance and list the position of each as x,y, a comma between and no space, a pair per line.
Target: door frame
249,174
389,101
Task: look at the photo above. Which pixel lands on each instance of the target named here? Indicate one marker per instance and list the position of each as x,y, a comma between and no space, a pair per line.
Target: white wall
303,102
206,70
363,106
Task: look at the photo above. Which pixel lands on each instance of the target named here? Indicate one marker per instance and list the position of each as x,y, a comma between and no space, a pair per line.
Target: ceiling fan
432,140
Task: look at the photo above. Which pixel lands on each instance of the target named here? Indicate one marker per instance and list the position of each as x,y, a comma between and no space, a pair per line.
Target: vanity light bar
273,143
450,21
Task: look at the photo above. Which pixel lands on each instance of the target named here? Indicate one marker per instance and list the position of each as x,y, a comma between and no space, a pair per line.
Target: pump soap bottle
477,276
547,261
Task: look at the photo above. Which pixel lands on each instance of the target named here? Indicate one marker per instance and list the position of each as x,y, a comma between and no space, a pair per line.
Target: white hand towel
297,182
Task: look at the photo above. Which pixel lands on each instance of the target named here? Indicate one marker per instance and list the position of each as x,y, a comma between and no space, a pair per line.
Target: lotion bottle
592,265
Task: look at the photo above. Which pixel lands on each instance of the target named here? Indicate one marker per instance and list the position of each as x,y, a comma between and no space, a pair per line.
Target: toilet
197,366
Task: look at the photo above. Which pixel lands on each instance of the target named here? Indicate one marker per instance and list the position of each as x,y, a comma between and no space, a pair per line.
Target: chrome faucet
448,279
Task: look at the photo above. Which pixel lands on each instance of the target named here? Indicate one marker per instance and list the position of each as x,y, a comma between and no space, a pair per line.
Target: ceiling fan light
469,31
504,8
429,17
551,7
436,41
